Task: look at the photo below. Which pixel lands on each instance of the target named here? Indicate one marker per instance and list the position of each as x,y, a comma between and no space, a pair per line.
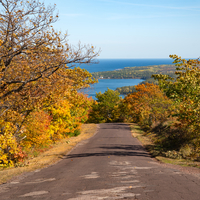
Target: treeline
136,72
168,112
39,99
130,89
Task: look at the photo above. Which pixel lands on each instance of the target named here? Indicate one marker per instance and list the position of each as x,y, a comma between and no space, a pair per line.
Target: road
110,165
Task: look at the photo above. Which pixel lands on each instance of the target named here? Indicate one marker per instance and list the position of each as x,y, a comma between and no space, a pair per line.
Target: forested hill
144,72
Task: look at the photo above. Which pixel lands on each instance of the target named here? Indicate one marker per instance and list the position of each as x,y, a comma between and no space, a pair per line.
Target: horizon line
145,58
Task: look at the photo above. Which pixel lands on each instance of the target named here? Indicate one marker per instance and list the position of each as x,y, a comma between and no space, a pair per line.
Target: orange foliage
36,130
147,105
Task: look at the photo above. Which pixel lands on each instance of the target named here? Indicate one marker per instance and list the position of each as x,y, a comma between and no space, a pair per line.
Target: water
114,64
111,84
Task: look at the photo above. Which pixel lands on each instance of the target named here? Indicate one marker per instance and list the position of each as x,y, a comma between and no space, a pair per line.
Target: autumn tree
34,57
147,105
35,64
30,49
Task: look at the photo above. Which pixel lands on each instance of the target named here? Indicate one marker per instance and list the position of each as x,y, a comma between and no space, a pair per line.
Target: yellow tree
30,49
31,52
35,62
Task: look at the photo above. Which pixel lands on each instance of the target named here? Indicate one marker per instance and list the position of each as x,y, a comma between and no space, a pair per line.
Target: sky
132,28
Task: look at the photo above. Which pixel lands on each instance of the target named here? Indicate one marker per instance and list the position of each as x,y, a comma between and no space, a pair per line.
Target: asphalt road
110,165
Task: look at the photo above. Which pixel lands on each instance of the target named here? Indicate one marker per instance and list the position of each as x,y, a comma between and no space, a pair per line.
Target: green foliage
75,133
106,108
185,93
126,89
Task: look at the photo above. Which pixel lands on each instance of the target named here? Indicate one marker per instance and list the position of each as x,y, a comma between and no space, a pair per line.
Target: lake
111,84
114,64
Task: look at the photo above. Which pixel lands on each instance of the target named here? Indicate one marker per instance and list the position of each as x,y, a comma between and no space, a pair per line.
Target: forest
136,72
40,102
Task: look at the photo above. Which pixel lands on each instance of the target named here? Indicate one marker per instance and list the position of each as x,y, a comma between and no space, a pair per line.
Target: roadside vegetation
39,99
147,140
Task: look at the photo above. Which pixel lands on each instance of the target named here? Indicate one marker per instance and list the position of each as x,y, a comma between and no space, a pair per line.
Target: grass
146,141
49,157
182,162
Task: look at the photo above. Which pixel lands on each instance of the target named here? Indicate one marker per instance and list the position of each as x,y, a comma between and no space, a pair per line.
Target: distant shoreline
115,64
143,72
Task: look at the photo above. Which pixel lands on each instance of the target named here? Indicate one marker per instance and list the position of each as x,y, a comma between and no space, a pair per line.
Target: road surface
110,165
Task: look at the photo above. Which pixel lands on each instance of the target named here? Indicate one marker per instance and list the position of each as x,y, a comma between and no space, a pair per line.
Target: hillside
144,72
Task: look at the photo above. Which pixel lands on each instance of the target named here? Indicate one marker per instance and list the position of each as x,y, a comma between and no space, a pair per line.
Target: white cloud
155,6
119,17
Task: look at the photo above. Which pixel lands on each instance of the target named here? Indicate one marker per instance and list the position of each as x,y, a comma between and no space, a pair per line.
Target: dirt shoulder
51,156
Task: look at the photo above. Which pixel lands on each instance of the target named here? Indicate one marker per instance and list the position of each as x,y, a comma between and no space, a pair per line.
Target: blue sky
132,28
